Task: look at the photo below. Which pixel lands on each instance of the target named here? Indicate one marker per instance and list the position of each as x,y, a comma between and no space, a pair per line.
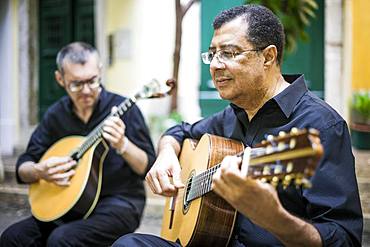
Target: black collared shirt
60,121
332,204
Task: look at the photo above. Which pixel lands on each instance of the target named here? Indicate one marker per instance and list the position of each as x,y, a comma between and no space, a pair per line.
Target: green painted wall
307,59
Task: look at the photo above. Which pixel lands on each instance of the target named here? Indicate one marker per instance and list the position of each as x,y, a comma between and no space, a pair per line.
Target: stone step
15,207
13,188
10,184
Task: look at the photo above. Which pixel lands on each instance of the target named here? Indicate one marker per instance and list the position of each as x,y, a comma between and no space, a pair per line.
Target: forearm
293,231
169,143
136,158
28,173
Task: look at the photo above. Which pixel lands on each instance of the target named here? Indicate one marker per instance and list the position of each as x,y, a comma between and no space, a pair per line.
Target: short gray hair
77,53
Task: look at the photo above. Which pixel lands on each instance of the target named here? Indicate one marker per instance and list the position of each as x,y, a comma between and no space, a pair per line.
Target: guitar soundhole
187,191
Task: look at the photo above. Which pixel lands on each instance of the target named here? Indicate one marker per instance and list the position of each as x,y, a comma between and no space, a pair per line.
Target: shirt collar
290,96
286,99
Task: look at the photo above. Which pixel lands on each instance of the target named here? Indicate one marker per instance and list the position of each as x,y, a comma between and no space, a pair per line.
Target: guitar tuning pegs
294,130
292,143
313,131
278,169
306,183
269,149
289,167
298,180
287,180
274,182
270,138
282,133
281,146
266,170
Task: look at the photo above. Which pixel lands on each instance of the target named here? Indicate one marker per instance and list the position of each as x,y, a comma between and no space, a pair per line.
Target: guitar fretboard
97,132
200,184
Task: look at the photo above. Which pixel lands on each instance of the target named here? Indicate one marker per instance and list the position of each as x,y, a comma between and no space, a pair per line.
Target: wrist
124,146
36,171
166,150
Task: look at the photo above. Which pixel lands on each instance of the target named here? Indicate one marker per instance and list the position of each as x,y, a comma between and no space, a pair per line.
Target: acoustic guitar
50,202
199,217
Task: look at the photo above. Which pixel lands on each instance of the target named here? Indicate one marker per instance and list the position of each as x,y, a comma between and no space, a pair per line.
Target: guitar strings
202,182
96,133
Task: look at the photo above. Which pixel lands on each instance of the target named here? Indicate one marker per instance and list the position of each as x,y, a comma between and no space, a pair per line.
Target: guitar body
208,220
50,202
199,217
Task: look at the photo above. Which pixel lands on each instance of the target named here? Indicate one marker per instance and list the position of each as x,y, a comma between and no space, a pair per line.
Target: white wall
150,28
9,113
337,55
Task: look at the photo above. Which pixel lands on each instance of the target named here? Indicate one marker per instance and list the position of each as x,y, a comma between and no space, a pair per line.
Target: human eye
76,83
210,55
93,81
227,54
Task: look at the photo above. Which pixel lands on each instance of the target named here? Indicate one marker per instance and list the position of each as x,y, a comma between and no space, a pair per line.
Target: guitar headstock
155,89
287,158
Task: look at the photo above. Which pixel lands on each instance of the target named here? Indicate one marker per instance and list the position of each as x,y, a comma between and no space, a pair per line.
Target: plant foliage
361,103
295,16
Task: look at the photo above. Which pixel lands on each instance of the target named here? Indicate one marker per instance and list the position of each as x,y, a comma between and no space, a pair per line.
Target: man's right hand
166,166
58,170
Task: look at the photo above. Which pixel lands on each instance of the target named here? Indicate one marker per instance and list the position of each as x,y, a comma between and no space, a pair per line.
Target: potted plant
360,120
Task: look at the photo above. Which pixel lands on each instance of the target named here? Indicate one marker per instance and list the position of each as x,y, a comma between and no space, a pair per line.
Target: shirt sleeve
41,139
138,132
218,124
333,201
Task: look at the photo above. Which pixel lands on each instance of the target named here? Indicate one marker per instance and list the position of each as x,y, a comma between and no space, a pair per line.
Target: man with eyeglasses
130,156
245,59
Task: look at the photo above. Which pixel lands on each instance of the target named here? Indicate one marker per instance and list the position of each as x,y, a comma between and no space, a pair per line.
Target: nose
216,63
86,88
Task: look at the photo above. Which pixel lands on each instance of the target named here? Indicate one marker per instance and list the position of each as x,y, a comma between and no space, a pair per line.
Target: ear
59,78
270,55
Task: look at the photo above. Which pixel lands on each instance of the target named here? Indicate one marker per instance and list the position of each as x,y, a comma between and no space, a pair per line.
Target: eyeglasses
223,56
77,86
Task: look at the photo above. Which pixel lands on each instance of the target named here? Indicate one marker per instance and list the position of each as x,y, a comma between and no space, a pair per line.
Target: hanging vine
295,16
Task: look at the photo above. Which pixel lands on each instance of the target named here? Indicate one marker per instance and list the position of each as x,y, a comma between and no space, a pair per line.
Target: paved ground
15,207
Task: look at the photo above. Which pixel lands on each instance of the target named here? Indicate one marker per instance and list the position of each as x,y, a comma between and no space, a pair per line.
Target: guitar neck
96,134
265,163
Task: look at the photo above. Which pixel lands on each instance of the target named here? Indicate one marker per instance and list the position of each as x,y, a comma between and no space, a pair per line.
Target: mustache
221,76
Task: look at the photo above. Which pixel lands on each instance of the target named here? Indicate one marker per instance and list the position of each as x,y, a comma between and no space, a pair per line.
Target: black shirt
61,121
332,204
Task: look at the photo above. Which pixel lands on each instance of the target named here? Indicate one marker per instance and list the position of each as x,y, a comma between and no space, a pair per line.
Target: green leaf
304,19
308,11
312,3
295,16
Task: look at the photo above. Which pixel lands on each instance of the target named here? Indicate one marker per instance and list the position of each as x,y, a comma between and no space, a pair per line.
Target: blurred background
142,39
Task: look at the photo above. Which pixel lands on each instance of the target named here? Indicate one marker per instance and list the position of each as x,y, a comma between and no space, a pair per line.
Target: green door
307,59
61,22
209,100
